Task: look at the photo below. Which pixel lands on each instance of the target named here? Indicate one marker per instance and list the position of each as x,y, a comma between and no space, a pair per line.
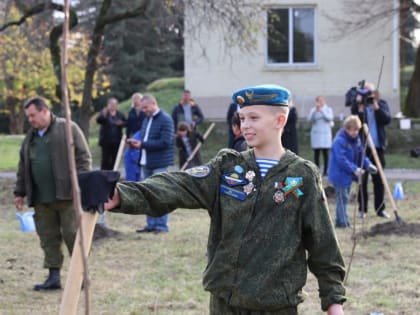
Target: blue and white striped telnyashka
265,164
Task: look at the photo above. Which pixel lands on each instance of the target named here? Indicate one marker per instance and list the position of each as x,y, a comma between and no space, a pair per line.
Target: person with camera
373,111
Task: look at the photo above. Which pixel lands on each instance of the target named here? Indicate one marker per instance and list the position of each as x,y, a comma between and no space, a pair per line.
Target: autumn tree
234,18
24,66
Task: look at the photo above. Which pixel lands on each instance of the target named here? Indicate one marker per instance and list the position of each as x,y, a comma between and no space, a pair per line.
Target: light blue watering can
26,220
398,191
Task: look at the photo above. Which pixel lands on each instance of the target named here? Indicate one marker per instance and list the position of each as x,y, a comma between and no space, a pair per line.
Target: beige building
295,50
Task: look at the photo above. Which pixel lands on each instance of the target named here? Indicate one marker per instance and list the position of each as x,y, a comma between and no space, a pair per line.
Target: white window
291,36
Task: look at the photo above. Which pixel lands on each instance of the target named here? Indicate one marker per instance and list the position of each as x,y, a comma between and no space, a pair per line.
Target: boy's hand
335,309
113,202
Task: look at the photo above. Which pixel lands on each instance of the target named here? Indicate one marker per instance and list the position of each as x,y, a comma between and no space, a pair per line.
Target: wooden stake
77,272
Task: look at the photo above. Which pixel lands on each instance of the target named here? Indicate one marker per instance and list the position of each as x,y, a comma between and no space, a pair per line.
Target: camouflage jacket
264,232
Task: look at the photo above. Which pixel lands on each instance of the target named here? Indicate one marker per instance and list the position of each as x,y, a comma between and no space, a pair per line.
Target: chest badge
278,196
234,179
250,187
292,185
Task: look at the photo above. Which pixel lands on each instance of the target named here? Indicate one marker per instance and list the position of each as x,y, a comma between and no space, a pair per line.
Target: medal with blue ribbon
291,186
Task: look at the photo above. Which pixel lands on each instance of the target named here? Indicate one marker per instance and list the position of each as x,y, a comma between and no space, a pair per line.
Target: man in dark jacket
187,110
135,115
43,177
112,122
157,151
374,111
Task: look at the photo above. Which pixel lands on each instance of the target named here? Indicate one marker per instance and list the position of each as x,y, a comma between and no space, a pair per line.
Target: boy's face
182,133
353,132
261,125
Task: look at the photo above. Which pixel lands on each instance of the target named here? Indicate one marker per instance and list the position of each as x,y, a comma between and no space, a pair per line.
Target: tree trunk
16,117
91,66
55,51
86,106
412,102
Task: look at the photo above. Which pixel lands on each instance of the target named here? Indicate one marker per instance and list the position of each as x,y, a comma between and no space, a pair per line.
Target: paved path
391,174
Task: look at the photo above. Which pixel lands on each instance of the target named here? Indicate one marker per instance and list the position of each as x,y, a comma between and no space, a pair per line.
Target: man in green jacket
269,217
43,177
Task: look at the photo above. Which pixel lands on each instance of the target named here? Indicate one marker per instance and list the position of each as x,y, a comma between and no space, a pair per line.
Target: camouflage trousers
54,223
219,306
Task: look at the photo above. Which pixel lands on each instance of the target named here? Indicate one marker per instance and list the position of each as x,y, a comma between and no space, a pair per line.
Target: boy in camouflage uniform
269,216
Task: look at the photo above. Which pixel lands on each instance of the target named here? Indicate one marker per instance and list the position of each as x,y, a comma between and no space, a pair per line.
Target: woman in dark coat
289,136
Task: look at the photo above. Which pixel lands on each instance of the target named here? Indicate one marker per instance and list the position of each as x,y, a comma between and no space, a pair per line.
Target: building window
291,36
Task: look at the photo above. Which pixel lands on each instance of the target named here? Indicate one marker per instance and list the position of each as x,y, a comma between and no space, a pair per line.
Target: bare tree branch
31,11
360,15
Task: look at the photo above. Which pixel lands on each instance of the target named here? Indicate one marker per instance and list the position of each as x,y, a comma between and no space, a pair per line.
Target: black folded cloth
96,187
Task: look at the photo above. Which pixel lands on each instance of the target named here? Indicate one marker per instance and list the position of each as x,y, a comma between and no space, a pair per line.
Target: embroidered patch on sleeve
199,171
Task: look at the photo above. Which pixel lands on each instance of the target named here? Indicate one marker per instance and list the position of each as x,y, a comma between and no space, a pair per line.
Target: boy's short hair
183,126
352,121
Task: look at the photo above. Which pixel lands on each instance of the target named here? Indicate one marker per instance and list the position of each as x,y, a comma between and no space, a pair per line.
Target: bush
166,84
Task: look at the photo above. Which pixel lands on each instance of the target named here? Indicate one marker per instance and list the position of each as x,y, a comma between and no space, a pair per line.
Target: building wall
340,64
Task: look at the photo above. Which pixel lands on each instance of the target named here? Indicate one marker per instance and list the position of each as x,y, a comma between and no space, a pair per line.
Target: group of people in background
351,158
152,135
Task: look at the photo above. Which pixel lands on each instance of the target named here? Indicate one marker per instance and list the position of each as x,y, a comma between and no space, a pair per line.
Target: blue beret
269,94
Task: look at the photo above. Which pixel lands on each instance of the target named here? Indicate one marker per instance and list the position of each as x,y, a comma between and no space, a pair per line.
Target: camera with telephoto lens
366,97
359,95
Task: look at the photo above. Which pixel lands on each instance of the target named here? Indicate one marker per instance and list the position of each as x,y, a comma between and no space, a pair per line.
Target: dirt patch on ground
387,228
102,232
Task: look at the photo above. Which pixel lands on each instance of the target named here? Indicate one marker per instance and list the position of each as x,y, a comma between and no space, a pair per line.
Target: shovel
382,174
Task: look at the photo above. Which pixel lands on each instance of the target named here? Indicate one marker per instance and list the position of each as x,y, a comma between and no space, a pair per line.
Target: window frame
291,64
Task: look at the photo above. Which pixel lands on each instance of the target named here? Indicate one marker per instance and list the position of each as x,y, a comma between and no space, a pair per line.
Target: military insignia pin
278,196
248,188
250,175
292,185
234,179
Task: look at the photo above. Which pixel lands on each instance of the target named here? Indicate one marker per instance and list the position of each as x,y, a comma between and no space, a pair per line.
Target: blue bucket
26,220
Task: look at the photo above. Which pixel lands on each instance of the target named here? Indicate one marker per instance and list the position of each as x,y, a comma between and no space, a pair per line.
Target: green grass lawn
9,151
